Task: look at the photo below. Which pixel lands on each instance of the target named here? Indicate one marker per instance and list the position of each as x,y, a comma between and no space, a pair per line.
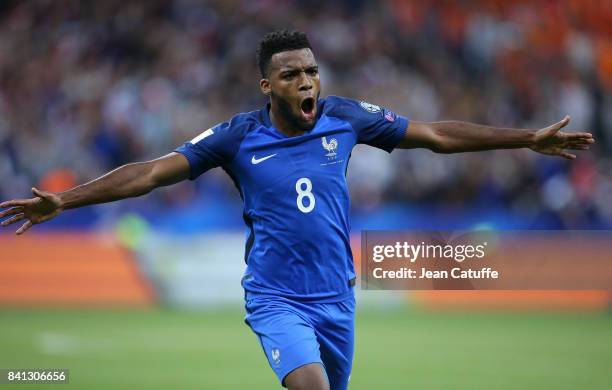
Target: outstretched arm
127,181
454,137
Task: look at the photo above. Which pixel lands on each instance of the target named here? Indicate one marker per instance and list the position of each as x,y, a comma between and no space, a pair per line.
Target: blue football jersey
295,195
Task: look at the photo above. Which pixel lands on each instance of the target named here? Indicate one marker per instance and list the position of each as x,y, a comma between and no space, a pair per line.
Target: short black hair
276,42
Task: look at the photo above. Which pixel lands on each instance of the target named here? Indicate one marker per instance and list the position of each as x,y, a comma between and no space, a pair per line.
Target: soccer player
289,161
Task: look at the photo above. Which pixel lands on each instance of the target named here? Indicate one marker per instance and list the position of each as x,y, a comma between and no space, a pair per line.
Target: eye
312,71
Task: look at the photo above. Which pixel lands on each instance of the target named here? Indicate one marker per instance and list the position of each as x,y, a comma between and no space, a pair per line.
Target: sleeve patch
373,108
389,115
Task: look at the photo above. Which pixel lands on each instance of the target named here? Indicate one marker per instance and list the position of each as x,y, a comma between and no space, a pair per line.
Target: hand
45,206
551,141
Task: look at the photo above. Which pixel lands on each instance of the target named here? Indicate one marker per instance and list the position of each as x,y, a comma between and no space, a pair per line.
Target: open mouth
308,108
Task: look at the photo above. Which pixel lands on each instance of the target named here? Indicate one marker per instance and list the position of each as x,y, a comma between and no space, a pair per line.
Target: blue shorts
294,333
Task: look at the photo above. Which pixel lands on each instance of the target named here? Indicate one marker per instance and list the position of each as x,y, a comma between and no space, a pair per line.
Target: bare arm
454,137
127,181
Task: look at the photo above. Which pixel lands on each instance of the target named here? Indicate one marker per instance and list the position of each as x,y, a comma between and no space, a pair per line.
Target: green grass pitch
165,349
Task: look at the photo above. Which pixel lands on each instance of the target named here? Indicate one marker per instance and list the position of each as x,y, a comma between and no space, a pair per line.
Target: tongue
308,114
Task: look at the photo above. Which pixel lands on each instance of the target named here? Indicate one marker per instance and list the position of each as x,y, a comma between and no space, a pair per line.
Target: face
294,87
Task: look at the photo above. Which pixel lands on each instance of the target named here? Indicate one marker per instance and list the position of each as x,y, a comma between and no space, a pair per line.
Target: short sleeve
375,126
213,147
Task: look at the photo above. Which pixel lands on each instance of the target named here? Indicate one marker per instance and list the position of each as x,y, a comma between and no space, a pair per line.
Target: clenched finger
14,219
11,211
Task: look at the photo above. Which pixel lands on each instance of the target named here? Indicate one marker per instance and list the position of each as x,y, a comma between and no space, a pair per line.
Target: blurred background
87,86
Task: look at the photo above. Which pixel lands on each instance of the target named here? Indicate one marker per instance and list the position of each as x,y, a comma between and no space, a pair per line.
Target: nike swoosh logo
256,161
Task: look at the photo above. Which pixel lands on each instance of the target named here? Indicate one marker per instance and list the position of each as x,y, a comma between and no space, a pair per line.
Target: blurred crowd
86,86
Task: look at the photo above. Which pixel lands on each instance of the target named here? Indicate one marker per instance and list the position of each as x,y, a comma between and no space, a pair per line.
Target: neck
282,124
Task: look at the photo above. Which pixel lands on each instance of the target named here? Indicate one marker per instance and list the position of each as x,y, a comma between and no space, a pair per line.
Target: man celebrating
289,161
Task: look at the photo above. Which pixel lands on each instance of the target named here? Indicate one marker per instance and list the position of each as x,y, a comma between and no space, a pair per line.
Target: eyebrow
289,69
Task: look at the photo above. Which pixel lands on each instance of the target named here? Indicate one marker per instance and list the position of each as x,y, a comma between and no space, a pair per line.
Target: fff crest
330,147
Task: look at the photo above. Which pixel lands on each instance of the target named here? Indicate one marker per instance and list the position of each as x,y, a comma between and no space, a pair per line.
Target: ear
264,85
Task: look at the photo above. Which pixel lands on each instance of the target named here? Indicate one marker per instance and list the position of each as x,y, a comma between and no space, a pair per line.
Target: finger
562,123
567,155
573,135
14,219
578,142
552,129
38,192
578,147
588,141
24,227
16,202
11,211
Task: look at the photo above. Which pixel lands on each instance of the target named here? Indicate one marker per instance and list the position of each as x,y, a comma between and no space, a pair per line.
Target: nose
305,82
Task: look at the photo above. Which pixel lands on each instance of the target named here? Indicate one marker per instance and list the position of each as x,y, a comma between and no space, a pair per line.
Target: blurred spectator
88,86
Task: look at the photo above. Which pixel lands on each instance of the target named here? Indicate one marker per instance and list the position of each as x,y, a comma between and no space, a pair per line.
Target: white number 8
304,193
